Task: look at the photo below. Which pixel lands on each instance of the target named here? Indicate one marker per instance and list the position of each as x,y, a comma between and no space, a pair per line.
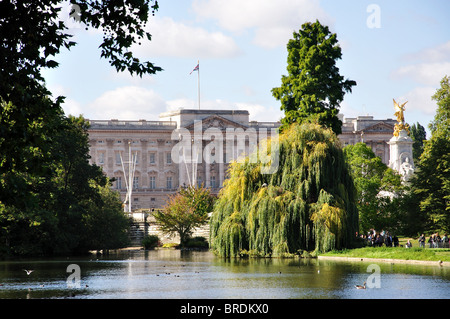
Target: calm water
201,275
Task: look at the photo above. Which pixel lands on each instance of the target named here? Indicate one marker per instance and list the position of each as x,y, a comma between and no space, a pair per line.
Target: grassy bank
426,254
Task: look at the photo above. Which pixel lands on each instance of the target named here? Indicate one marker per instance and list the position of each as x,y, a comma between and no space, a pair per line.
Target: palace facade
374,133
159,166
188,147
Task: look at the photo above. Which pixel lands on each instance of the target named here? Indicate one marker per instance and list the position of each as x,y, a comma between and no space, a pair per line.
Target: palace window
101,158
152,157
169,182
135,182
152,182
119,182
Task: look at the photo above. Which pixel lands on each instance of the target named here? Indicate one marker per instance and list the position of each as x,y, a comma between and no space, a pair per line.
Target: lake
155,274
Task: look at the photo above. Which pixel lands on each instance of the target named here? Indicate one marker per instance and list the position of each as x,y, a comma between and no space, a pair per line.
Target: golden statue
399,109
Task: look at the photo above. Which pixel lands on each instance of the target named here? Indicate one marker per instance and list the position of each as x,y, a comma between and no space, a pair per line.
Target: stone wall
145,225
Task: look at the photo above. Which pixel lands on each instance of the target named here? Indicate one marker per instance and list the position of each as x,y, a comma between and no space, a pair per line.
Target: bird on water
361,287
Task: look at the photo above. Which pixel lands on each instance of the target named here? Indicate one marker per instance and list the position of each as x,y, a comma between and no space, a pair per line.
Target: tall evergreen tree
418,135
431,183
313,88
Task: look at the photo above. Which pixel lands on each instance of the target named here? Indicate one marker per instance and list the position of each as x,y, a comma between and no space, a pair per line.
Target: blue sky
393,49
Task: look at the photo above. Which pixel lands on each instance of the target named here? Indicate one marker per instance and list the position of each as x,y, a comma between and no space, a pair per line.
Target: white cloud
170,38
438,53
419,99
133,103
430,65
424,73
72,107
257,112
184,103
126,103
349,111
273,21
427,68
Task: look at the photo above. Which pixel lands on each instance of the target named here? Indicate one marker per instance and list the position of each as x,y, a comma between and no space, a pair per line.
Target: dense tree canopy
432,181
418,135
313,88
49,194
379,189
307,204
184,211
57,202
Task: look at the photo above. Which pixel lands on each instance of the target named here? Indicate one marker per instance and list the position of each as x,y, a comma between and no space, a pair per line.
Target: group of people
434,241
378,239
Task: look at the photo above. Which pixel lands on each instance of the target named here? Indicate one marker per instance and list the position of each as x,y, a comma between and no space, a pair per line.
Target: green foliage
313,88
414,253
55,202
150,241
122,23
431,185
185,211
307,204
31,33
418,135
201,199
197,242
441,120
106,226
50,197
379,189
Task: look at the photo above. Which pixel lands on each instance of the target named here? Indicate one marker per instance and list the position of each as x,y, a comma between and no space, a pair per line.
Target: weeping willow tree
307,204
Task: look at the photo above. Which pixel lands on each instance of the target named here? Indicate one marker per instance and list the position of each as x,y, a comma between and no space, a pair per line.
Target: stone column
221,174
144,163
401,158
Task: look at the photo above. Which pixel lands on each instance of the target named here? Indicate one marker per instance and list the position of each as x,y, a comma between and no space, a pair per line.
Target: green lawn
394,253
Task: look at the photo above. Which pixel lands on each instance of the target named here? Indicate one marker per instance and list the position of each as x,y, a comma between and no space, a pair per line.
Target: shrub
197,242
150,241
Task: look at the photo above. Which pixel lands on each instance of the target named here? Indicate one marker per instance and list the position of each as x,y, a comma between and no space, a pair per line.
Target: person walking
422,241
430,241
438,241
395,241
445,241
388,240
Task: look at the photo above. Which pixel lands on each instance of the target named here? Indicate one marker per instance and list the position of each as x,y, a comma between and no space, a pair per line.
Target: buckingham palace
145,156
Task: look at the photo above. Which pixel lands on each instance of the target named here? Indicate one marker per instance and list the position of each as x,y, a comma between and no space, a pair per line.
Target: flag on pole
195,69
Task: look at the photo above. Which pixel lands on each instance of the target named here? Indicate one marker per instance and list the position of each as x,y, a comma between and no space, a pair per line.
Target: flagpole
197,68
198,84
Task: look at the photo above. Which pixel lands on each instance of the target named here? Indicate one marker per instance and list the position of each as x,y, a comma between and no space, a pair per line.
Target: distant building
374,133
150,143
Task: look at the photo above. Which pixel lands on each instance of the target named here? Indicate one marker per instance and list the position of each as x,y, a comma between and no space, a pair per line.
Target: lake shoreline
387,260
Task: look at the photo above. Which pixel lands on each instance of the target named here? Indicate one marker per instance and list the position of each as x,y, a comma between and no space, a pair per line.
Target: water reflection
192,274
